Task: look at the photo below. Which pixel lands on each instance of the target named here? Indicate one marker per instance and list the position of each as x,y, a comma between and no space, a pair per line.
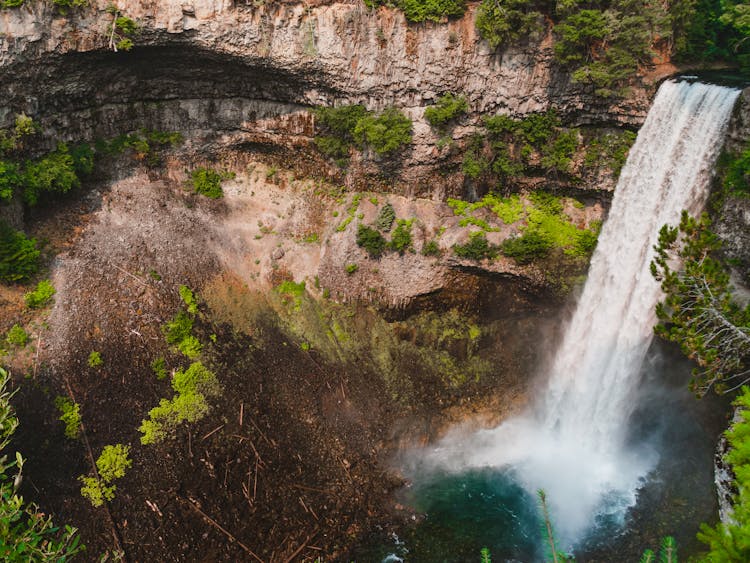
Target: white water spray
572,444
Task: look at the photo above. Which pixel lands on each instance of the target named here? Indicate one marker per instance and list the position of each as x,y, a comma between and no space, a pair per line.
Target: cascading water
573,443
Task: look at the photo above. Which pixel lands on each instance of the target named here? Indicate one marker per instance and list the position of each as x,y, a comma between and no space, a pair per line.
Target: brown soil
291,464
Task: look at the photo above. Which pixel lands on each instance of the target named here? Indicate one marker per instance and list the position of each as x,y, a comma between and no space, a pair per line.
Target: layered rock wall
252,70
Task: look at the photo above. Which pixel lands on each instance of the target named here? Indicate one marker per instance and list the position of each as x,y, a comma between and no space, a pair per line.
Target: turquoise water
461,513
479,508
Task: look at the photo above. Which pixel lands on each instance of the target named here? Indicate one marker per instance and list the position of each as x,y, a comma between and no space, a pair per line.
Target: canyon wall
245,74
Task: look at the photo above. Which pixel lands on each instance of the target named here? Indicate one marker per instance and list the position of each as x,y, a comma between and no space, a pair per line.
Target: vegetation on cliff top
605,43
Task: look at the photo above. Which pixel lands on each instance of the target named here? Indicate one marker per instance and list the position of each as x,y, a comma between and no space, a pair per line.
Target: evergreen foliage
19,255
667,552
159,366
401,237
385,219
730,542
371,240
431,248
179,328
188,298
477,248
54,173
514,147
737,175
699,312
501,22
543,224
530,246
26,533
424,10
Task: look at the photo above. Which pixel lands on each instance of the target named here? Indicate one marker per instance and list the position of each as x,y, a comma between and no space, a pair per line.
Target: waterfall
572,443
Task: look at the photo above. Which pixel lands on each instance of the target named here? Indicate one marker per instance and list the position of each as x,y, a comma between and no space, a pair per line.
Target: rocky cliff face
733,221
247,72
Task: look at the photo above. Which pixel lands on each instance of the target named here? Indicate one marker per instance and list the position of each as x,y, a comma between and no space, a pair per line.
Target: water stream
573,442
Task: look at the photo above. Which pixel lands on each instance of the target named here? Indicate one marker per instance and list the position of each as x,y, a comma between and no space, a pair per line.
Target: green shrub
371,240
17,336
332,147
11,3
340,121
53,173
40,296
474,164
558,155
508,210
10,180
737,176
95,360
339,128
189,404
386,217
70,415
178,328
159,367
385,133
19,256
431,10
609,150
95,491
207,182
188,298
190,346
64,5
289,287
431,248
111,464
448,107
477,248
351,268
83,159
527,248
401,238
